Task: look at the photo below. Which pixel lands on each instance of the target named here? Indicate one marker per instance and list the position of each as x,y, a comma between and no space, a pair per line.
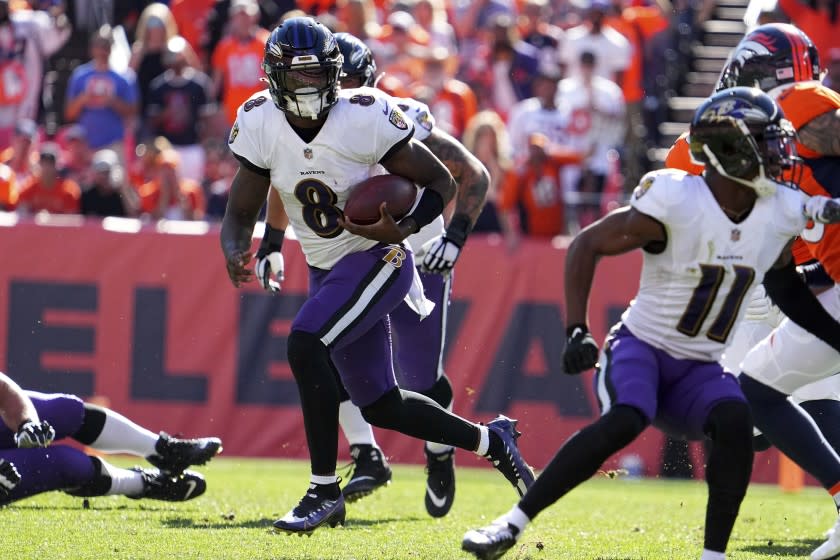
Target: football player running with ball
312,143
707,241
436,249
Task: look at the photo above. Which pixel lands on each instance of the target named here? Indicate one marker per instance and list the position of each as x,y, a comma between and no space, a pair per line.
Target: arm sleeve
801,306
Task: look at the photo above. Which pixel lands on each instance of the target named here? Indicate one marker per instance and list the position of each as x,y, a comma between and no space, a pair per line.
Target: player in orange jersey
782,60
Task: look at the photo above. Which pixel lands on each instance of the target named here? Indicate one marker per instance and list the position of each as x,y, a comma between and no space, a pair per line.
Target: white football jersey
693,293
424,122
314,179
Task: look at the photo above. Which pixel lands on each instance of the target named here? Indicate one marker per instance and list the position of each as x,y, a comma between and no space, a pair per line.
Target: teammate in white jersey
420,352
313,143
707,241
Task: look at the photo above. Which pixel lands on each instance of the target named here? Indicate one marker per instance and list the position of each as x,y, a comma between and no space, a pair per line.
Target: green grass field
604,519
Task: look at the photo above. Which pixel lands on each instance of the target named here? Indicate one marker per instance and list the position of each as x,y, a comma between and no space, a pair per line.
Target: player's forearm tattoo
821,134
471,177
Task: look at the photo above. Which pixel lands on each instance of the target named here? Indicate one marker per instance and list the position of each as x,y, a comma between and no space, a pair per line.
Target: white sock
124,482
483,441
439,448
356,430
517,518
121,435
712,555
318,479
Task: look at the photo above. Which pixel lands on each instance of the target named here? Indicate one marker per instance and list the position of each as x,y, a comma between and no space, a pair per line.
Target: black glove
9,478
581,352
34,434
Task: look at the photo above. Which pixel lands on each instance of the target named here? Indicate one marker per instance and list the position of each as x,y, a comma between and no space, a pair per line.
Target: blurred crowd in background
122,107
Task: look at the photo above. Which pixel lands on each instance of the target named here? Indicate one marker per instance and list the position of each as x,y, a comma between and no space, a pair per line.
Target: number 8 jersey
314,178
691,293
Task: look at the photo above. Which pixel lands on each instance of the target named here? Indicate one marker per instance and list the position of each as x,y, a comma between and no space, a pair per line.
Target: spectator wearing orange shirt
533,195
451,101
8,191
20,155
191,18
47,190
168,196
237,60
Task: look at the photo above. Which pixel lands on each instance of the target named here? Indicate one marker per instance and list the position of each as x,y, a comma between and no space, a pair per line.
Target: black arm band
814,275
429,207
795,299
272,241
459,228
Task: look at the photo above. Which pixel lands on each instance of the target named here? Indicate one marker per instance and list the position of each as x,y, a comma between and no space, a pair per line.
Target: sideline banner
150,321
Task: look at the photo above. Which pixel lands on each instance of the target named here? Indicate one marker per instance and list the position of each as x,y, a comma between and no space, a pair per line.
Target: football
362,206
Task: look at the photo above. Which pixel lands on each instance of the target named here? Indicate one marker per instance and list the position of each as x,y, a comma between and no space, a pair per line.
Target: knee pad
92,423
385,410
440,392
622,424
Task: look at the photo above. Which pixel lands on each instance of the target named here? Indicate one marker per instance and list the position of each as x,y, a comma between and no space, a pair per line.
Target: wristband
571,329
458,230
814,274
429,207
272,241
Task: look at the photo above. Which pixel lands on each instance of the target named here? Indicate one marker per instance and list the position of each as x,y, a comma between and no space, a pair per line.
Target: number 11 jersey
691,292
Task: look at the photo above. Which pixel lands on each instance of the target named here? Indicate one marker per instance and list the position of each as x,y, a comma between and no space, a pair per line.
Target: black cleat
370,471
173,455
510,462
314,510
490,542
440,482
162,486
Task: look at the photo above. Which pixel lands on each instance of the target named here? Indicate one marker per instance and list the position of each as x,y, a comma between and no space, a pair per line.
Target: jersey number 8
319,210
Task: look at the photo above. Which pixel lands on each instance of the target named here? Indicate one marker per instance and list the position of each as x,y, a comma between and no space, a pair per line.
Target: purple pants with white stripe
348,309
676,395
57,466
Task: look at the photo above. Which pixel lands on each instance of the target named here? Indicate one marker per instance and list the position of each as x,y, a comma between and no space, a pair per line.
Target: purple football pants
675,395
420,343
348,309
57,466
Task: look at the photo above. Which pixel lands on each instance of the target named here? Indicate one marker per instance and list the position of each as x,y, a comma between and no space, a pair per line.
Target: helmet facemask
304,86
768,155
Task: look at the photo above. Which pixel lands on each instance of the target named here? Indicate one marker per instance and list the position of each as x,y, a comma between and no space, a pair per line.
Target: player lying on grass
436,249
707,242
30,463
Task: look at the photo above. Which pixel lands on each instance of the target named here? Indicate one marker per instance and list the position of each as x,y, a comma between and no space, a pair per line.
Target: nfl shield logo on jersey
307,153
735,235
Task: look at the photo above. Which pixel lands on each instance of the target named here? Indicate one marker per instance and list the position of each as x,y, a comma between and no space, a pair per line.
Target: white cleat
830,549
